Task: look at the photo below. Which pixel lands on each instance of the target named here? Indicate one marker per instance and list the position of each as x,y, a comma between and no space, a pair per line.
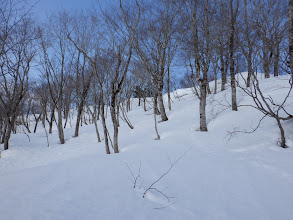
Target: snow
246,177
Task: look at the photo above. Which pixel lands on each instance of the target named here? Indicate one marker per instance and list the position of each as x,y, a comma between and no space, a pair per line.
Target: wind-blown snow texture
248,177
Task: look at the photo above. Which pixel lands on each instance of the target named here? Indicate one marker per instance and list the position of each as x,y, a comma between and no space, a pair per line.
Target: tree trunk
276,60
160,86
115,128
51,121
115,123
4,133
118,115
156,103
60,127
208,88
283,139
266,67
249,66
128,105
104,126
97,130
202,105
216,78
233,87
223,73
36,125
249,54
168,88
7,136
156,126
291,35
231,47
79,114
161,106
144,103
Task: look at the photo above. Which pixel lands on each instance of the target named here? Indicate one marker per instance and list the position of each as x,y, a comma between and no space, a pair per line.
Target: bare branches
135,177
137,181
153,187
233,133
268,106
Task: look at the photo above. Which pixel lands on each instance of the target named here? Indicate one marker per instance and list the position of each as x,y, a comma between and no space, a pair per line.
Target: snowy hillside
219,176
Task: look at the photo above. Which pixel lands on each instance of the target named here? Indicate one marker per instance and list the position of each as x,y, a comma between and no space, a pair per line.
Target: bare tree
153,43
234,11
248,40
17,35
57,63
114,63
197,47
269,20
268,105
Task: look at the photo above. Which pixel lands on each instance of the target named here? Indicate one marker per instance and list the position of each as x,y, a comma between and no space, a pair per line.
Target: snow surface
246,177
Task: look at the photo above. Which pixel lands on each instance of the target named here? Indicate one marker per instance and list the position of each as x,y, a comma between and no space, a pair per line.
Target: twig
135,178
26,135
151,187
231,134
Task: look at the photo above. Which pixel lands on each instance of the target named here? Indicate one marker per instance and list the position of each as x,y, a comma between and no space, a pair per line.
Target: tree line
95,61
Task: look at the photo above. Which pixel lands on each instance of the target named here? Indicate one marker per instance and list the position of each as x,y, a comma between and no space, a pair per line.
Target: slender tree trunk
216,78
249,66
156,103
37,119
118,115
156,126
115,128
223,73
144,103
202,105
4,133
162,107
128,105
79,114
233,87
249,54
282,132
266,67
51,121
66,112
231,47
276,60
7,136
60,127
266,60
290,12
115,123
97,130
104,124
208,88
168,88
161,101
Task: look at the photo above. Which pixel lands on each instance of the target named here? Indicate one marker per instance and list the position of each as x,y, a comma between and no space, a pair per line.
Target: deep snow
246,177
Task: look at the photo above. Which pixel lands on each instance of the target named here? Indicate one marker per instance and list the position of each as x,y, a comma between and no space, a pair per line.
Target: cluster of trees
97,60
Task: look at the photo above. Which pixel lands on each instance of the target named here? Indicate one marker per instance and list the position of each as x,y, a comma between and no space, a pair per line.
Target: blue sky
44,7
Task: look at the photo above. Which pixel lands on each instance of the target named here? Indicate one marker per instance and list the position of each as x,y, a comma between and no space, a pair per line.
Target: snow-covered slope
245,177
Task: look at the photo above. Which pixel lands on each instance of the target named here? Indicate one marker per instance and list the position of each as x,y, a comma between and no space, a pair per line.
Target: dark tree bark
202,106
276,59
290,21
249,42
168,89
233,14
